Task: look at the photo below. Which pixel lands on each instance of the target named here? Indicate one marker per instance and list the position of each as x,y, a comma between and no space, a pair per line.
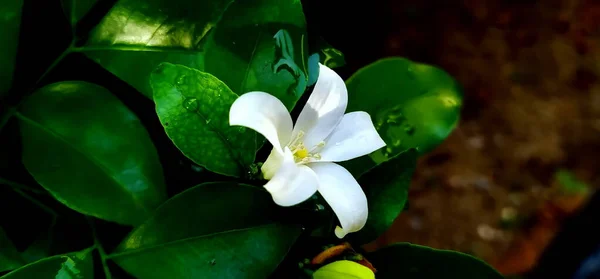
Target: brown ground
532,107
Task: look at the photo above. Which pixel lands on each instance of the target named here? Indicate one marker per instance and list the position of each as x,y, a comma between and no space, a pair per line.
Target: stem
101,251
21,186
36,202
10,111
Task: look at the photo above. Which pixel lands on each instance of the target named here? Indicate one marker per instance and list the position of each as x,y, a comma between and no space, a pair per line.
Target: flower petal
324,109
341,191
272,164
265,114
355,136
292,183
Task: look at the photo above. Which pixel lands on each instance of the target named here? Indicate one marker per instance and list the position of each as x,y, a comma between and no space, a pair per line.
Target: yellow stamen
301,153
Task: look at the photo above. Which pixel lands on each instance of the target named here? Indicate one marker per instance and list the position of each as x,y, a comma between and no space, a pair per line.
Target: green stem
10,111
36,202
21,186
101,251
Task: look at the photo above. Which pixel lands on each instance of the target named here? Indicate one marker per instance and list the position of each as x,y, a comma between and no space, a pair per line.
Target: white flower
301,161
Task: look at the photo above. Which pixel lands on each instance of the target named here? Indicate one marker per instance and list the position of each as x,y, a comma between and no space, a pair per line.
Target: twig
101,251
21,186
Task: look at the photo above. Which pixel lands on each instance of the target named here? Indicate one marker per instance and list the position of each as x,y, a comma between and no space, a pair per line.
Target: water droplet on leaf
181,80
397,142
191,104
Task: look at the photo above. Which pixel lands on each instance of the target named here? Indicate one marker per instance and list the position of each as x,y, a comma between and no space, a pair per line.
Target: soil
532,108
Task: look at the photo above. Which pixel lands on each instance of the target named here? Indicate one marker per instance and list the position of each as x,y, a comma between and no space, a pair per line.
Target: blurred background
514,184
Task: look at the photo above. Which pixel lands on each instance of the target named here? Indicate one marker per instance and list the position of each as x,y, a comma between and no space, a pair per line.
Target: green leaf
78,265
214,230
330,56
413,105
9,257
144,33
10,22
86,148
237,38
344,270
75,10
261,46
193,106
407,261
386,187
202,210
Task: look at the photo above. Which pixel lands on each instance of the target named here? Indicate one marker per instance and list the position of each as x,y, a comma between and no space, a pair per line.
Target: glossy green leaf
75,10
250,45
137,35
261,46
9,257
10,22
78,265
214,230
413,105
248,253
91,152
386,187
343,270
408,261
202,210
193,106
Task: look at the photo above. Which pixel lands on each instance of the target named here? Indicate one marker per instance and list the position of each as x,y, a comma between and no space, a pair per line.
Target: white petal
355,136
341,191
272,164
265,114
324,109
292,183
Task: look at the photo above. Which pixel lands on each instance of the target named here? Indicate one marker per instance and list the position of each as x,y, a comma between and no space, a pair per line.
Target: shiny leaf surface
413,105
214,230
10,22
193,106
78,265
410,261
137,35
386,187
91,152
202,210
9,257
261,46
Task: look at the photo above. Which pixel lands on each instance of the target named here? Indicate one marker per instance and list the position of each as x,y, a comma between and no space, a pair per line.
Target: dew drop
181,80
191,104
207,121
397,142
388,150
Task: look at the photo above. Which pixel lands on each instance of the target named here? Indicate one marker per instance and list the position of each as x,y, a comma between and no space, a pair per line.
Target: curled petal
354,136
324,109
292,183
265,114
347,199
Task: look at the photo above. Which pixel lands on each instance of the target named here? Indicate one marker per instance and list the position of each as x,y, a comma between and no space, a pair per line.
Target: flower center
303,155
